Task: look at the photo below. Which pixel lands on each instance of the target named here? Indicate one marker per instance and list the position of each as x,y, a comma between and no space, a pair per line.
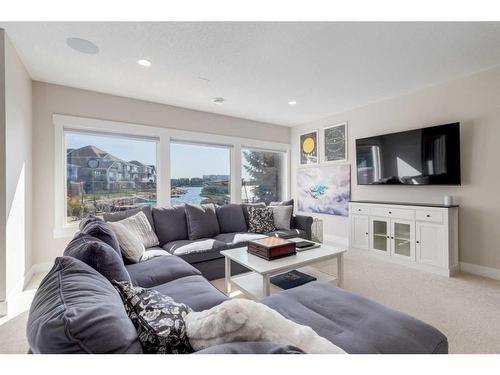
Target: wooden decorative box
271,248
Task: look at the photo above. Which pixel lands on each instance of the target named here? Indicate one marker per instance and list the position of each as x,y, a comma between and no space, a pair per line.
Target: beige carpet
465,308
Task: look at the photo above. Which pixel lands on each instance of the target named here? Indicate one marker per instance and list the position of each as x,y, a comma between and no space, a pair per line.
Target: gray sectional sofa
190,235
77,310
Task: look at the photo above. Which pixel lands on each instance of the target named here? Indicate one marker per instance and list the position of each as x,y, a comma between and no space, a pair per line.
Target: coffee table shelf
250,283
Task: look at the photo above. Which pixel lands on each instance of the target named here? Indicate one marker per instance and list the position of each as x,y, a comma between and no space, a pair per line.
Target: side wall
474,101
16,171
49,99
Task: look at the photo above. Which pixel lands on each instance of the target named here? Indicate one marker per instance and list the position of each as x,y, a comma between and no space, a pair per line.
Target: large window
262,176
199,173
106,173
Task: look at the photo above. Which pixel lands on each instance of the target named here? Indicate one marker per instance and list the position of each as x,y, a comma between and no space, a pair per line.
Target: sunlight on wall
16,234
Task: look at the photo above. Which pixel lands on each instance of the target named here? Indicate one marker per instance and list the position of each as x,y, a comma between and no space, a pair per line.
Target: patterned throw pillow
260,220
140,226
158,319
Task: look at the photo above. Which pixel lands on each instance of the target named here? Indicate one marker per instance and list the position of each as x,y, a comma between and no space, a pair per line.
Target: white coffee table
256,284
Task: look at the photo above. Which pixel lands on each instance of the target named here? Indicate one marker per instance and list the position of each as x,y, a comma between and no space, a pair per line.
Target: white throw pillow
245,320
130,244
140,226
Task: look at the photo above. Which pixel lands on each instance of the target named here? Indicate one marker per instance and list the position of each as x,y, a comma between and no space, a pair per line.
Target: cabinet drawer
429,215
397,213
360,209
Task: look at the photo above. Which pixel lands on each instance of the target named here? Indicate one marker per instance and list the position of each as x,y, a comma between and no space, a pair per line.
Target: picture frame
335,143
308,147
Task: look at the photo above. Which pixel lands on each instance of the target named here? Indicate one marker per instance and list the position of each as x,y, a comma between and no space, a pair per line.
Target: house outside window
107,173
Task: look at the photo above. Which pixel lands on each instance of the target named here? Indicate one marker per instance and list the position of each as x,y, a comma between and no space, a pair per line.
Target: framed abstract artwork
335,139
324,190
309,148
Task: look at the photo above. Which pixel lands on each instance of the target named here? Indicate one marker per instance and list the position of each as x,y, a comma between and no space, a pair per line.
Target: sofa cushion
194,291
76,310
153,252
120,215
201,221
260,220
246,206
102,231
231,218
282,216
159,270
355,323
87,220
185,247
239,238
98,255
251,347
159,320
170,223
292,233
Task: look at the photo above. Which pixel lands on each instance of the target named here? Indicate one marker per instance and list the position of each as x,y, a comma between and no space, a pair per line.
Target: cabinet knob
387,236
366,233
418,241
359,209
428,215
392,238
390,212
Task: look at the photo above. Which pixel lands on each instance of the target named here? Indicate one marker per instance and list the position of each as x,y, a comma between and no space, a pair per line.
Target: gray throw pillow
201,221
76,310
97,255
231,218
170,223
159,320
282,216
260,220
285,203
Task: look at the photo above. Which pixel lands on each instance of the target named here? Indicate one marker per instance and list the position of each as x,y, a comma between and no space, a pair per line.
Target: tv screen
427,156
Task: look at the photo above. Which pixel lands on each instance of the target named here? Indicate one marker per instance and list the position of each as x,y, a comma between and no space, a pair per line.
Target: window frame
165,136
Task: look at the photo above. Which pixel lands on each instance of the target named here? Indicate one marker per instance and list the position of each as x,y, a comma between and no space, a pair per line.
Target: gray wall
49,99
474,101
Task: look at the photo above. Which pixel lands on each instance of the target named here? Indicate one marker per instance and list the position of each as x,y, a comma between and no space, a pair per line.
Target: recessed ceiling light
82,45
292,102
144,62
218,100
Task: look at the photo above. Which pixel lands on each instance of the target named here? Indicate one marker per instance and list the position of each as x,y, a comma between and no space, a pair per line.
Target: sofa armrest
304,223
251,348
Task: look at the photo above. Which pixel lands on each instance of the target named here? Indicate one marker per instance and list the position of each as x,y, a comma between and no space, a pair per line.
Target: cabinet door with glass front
380,235
403,239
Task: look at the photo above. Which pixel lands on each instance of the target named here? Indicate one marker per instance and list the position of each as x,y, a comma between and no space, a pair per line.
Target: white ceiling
258,67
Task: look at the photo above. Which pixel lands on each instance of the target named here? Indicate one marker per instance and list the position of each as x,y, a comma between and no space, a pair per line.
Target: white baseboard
20,298
492,273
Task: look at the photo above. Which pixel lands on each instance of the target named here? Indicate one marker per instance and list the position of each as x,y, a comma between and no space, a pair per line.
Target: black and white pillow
159,320
260,220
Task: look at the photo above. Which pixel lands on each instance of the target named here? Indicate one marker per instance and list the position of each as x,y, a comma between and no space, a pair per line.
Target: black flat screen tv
426,156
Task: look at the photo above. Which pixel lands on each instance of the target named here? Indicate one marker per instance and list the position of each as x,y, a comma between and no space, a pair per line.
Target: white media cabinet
423,236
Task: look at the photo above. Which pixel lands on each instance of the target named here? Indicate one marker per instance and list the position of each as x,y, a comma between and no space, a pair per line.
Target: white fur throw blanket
245,320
